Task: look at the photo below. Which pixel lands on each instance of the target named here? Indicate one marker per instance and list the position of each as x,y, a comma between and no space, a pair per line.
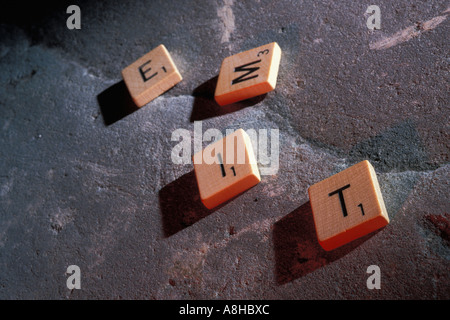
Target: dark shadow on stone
34,13
297,250
41,20
180,204
396,189
205,106
116,103
399,148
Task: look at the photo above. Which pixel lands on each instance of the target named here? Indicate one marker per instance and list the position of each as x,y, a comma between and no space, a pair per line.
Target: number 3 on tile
224,174
263,52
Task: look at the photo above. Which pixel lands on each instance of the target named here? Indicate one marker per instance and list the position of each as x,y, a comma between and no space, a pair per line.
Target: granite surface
87,179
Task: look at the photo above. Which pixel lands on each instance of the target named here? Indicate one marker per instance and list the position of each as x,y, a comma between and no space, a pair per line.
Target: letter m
248,71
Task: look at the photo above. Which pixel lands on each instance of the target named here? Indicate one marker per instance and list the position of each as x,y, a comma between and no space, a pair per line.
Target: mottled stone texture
87,179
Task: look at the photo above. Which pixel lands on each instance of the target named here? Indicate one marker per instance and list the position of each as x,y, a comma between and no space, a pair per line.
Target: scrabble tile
248,74
347,205
226,168
151,75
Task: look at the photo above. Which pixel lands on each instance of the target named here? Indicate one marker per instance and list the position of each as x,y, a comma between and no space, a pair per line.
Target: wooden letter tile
151,75
248,74
347,205
226,168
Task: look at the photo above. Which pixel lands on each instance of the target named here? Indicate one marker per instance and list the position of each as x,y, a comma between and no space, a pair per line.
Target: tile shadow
116,103
180,204
205,106
297,250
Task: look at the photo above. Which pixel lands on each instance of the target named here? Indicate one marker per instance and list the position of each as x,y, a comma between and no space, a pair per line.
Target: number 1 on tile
222,167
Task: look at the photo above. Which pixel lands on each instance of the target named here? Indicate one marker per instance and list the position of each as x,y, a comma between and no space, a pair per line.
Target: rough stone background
87,179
